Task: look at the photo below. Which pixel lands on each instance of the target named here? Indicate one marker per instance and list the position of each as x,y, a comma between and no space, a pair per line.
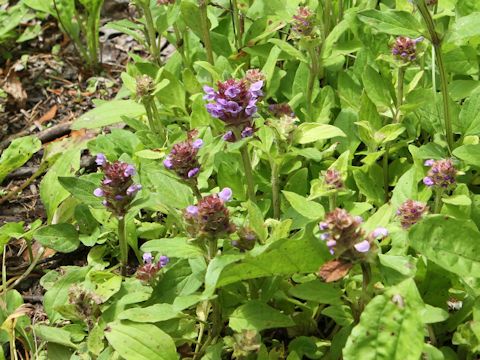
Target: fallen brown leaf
49,115
334,270
13,87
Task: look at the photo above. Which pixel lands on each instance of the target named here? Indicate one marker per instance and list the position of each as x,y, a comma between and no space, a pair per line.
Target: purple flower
193,172
380,232
229,136
303,22
197,144
325,236
323,226
410,212
98,192
256,89
101,159
233,91
118,197
147,258
168,163
405,48
133,189
247,132
428,181
429,162
331,243
209,93
363,246
226,194
129,170
192,210
164,260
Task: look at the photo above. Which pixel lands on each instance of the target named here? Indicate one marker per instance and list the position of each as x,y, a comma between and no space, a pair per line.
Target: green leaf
255,221
59,237
17,154
393,22
389,327
80,189
289,49
54,335
311,132
173,247
464,29
258,316
150,314
8,231
437,238
307,208
469,119
108,113
376,88
469,153
140,342
317,291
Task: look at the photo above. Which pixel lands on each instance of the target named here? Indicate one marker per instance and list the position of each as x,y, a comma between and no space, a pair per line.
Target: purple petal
256,86
363,246
98,192
193,172
118,197
429,162
228,136
133,189
323,226
101,159
225,194
164,260
168,163
129,170
247,132
325,236
192,210
380,232
331,243
147,258
428,181
197,144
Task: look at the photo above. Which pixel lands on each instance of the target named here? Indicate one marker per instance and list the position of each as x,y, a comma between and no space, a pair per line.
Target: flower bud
405,48
303,22
149,270
247,239
333,179
145,86
183,158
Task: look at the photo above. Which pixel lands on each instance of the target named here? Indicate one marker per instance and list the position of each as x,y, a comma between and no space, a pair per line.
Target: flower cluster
410,212
442,173
279,110
210,217
303,22
405,48
149,270
343,234
333,179
183,158
285,119
235,103
246,239
117,187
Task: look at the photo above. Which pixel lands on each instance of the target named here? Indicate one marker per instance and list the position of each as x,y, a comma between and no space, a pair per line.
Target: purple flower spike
101,159
429,162
98,192
363,246
168,163
197,144
428,181
225,194
129,171
192,210
192,173
380,232
147,258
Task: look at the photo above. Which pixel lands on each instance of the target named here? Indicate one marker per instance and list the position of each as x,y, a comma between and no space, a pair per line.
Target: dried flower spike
405,48
117,187
410,212
442,174
333,179
183,158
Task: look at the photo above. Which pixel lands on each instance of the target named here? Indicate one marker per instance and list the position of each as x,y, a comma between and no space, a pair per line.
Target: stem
311,78
386,175
438,201
43,166
237,25
400,85
332,201
122,241
431,335
151,33
437,46
202,4
195,190
30,268
340,10
326,18
275,189
212,249
180,45
247,164
367,274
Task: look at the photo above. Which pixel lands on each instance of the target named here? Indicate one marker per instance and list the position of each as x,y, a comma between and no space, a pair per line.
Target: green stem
332,201
340,10
438,201
366,278
202,4
312,77
275,180
400,86
180,45
236,23
327,14
437,46
386,175
122,241
151,33
247,164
